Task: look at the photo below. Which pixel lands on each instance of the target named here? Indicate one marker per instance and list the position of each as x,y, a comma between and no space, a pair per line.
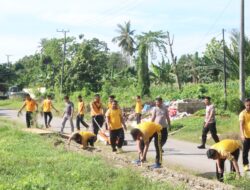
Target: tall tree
88,67
162,73
125,39
170,43
147,42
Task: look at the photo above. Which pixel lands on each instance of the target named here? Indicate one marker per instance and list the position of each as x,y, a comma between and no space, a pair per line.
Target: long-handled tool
102,134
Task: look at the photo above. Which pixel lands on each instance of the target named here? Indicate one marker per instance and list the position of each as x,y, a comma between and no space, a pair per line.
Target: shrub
235,105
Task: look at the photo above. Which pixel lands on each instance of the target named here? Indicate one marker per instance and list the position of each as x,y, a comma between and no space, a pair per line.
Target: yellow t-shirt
47,105
148,129
96,108
138,106
85,137
109,105
226,147
81,108
245,117
30,105
114,118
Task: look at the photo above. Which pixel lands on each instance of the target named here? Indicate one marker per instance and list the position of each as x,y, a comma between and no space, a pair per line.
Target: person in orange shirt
46,109
138,109
31,106
116,127
97,114
80,114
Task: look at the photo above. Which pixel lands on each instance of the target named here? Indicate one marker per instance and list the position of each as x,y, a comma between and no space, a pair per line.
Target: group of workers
227,149
157,129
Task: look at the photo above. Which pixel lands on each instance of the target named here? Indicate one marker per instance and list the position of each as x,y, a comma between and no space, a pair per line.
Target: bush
235,105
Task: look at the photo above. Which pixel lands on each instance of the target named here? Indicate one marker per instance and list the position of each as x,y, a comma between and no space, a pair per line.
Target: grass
11,104
227,127
243,183
31,162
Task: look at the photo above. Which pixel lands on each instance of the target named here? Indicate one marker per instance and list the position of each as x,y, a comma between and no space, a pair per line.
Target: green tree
88,67
51,53
125,39
29,71
147,42
189,68
162,73
116,63
7,74
232,53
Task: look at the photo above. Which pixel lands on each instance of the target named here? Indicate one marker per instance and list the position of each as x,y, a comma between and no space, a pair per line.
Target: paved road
184,154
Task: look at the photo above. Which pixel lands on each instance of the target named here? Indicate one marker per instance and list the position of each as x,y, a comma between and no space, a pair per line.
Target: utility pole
64,55
8,59
224,70
242,65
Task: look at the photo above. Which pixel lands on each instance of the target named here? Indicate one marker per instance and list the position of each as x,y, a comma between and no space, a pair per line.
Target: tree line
146,58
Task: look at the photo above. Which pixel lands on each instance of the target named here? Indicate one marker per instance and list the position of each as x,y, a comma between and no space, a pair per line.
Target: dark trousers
212,128
116,138
164,136
29,119
138,118
92,140
97,120
80,119
219,176
158,147
46,115
246,147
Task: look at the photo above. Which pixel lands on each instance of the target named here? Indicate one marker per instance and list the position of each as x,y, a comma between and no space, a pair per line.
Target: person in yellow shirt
138,109
116,126
46,109
111,99
143,134
244,119
96,109
84,138
225,149
31,106
80,114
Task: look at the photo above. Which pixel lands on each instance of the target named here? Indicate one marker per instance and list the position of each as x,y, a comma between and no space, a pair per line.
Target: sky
192,22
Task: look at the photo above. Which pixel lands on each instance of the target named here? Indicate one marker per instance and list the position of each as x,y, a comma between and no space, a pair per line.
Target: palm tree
147,42
125,39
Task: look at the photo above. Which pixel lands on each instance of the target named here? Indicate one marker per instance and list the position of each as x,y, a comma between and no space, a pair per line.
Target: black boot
201,146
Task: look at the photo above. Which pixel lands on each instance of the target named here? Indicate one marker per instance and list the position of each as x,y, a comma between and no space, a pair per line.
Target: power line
215,35
105,16
214,23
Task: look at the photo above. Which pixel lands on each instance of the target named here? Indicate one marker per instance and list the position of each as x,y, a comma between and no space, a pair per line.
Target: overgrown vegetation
31,162
227,127
243,183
